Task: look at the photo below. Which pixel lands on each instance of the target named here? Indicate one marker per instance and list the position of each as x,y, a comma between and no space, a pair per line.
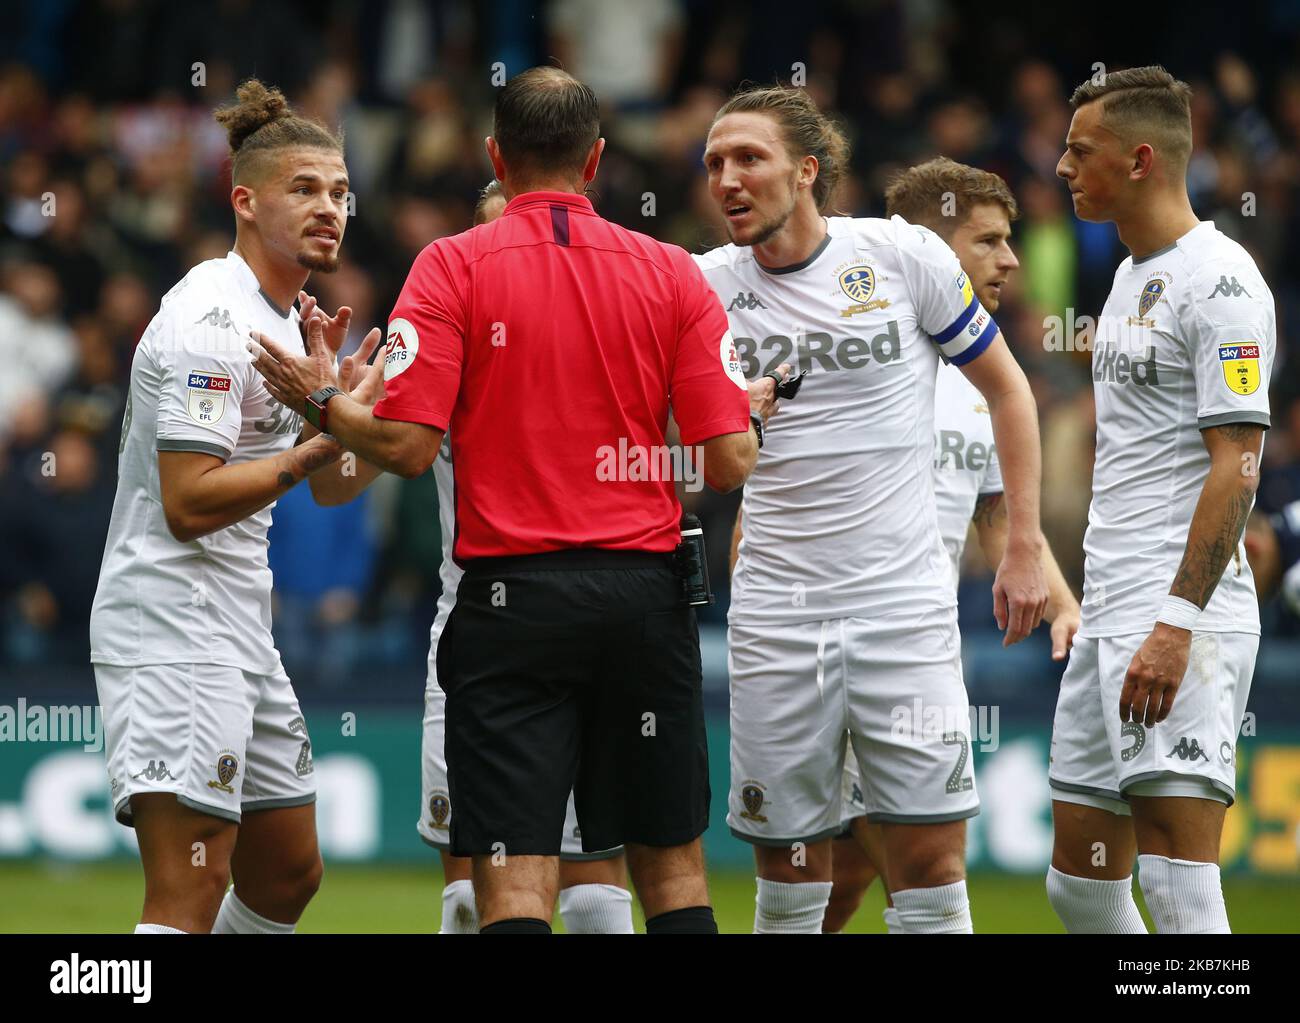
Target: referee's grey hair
492,190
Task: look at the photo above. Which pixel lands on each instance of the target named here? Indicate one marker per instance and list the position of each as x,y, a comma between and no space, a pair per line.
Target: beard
319,264
767,228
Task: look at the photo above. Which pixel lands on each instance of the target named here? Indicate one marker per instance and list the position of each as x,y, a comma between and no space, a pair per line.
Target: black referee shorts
579,670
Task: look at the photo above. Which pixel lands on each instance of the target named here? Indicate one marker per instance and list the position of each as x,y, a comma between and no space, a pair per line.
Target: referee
557,343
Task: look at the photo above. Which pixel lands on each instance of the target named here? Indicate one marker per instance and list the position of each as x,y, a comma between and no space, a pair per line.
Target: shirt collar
244,274
526,200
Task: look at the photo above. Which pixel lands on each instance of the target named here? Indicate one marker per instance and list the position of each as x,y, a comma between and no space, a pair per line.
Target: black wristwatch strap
314,410
757,420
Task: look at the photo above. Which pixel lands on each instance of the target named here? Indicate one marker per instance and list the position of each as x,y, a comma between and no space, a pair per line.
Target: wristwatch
315,411
757,420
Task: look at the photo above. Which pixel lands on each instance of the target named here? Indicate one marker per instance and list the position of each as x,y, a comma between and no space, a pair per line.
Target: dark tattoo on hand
286,480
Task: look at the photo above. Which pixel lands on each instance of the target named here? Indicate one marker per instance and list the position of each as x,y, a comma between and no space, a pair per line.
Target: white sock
791,908
459,914
157,929
892,924
1087,905
941,910
235,918
596,909
1184,897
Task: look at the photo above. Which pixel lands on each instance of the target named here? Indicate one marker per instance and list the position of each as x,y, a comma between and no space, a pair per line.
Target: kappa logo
1187,751
156,771
752,795
217,317
1228,288
746,300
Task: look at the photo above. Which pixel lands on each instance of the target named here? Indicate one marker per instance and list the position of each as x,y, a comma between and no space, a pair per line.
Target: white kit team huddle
844,596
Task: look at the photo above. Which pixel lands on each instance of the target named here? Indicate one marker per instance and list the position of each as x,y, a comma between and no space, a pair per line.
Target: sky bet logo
826,352
209,382
1116,367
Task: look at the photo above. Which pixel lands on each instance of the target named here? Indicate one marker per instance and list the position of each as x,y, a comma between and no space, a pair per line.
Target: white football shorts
223,740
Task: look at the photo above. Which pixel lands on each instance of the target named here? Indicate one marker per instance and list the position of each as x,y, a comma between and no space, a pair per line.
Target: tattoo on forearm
987,508
1204,560
309,461
1239,433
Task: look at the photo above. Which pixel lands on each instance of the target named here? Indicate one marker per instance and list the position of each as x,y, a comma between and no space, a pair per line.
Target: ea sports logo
400,347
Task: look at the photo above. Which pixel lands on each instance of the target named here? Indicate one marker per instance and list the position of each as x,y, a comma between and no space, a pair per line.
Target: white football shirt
965,459
449,572
839,516
193,388
1185,342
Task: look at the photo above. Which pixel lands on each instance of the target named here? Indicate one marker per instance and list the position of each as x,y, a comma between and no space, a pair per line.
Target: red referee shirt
548,337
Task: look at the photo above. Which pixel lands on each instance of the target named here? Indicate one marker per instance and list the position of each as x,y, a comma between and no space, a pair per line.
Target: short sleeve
203,369
708,392
944,298
424,350
992,481
1231,339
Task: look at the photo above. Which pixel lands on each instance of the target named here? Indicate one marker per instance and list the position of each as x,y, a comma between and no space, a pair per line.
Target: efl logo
1240,362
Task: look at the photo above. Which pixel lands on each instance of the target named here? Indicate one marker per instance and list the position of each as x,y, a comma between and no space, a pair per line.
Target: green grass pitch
45,897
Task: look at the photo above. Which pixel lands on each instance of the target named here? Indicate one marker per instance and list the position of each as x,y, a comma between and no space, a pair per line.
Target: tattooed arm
1158,667
992,526
201,493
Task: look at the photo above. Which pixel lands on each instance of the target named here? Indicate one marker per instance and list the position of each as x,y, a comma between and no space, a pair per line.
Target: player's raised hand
1019,594
335,327
364,383
356,363
1154,675
291,378
762,393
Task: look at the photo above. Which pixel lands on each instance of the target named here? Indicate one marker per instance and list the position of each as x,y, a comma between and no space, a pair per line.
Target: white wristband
1180,613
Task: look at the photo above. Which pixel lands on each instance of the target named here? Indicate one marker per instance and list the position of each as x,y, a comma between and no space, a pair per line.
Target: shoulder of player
206,312
723,257
1221,283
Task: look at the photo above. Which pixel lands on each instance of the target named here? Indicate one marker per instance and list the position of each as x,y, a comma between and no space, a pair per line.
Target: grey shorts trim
781,843
1244,416
440,846
122,808
591,857
278,804
201,447
922,818
1087,790
1229,796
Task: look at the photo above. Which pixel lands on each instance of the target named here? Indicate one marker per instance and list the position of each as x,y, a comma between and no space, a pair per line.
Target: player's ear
808,168
244,203
1143,162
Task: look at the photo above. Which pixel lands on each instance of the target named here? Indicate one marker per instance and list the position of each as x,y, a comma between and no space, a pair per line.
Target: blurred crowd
114,181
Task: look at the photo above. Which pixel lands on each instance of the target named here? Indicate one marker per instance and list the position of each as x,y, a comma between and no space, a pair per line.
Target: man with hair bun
207,747
843,612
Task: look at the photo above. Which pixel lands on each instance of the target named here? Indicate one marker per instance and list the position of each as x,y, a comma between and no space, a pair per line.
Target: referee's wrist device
316,410
757,420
